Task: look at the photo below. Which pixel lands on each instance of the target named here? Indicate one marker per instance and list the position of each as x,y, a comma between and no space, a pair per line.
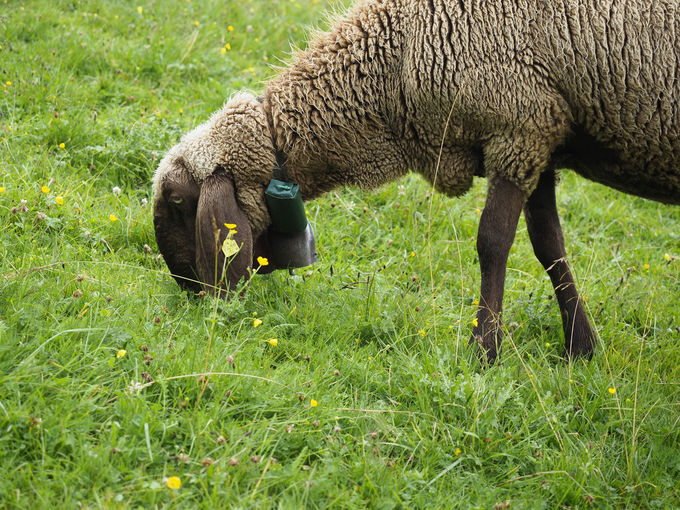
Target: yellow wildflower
140,10
645,267
2,189
230,28
227,46
263,261
196,23
456,452
667,257
62,145
313,403
121,353
223,51
412,254
112,218
181,111
612,391
174,482
9,83
45,189
257,322
475,302
273,342
475,322
230,226
421,332
59,200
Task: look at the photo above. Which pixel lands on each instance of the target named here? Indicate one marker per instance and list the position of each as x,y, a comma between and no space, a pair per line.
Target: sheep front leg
545,231
496,234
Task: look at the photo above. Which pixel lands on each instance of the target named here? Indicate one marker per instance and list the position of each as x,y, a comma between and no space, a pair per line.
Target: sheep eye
177,200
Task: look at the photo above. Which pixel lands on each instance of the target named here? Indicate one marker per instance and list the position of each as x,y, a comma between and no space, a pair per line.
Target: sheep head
210,216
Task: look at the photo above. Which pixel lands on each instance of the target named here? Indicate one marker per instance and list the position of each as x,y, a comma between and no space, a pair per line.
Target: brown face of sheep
189,222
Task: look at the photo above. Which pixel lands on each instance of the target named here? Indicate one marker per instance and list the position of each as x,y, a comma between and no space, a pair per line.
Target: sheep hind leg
496,234
545,232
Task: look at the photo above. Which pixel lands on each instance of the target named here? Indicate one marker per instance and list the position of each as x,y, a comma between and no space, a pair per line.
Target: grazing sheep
511,90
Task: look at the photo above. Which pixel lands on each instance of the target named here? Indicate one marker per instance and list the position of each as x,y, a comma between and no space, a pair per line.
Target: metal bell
291,238
292,249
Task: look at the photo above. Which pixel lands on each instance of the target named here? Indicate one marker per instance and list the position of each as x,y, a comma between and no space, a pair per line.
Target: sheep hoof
583,349
580,341
486,350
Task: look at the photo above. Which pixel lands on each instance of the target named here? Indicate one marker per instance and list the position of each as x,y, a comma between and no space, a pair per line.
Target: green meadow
349,384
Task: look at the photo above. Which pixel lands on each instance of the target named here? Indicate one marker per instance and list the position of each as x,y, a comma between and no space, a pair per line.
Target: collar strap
279,170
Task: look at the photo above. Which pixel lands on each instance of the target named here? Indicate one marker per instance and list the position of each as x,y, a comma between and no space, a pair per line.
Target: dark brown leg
497,228
545,232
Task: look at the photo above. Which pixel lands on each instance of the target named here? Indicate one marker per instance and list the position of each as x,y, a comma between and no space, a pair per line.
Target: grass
102,399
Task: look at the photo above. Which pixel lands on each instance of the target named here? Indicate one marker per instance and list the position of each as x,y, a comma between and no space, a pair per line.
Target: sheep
510,90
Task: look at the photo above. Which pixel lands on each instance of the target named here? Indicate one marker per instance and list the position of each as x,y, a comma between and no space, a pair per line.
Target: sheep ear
216,215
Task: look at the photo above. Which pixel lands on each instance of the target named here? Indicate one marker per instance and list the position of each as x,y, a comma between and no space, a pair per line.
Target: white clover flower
135,387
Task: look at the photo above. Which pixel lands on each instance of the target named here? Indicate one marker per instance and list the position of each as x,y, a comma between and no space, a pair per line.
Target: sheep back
457,89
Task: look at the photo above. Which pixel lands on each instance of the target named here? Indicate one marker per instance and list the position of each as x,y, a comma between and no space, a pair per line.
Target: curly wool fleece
498,88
